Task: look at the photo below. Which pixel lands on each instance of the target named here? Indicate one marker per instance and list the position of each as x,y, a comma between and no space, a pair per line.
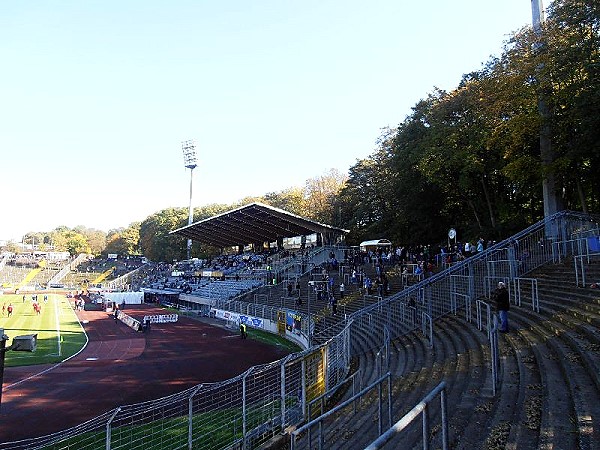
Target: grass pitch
59,333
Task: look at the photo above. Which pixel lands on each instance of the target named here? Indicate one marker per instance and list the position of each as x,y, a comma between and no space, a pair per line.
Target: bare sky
97,96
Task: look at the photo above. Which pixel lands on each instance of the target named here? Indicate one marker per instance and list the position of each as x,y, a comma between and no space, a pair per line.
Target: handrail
306,427
488,315
427,327
421,407
580,266
495,354
535,300
352,377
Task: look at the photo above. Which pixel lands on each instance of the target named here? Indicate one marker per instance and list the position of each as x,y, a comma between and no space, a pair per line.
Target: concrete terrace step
518,420
460,357
569,395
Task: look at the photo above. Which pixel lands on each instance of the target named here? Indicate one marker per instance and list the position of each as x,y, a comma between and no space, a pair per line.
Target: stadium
443,292
420,364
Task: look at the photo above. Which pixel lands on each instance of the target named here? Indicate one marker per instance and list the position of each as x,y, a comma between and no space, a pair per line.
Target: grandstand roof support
254,223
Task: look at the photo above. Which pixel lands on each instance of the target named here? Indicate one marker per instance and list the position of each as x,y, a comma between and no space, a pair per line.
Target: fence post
244,422
109,428
494,353
443,405
283,363
191,415
426,427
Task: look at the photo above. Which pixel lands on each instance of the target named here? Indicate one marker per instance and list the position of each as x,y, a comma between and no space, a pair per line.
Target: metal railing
295,435
420,409
519,293
494,354
484,317
271,398
580,262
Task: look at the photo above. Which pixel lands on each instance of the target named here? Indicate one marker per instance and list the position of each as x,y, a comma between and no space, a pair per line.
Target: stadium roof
253,223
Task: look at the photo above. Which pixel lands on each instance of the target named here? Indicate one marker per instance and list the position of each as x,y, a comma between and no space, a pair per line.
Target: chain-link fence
265,400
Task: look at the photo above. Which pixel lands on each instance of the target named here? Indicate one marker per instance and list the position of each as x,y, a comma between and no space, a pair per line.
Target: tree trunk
489,203
472,205
581,196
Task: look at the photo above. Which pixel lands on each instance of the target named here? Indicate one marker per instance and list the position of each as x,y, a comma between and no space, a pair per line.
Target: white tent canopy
375,243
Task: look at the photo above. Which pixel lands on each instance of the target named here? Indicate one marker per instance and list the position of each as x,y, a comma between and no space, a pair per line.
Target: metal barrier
420,408
494,354
271,398
354,377
579,263
319,420
481,305
518,292
427,327
382,357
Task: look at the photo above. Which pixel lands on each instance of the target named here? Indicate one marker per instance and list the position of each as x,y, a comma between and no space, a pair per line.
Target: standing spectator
480,245
342,290
502,300
368,284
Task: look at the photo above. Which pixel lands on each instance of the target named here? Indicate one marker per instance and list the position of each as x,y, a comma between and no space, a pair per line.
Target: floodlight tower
189,160
552,200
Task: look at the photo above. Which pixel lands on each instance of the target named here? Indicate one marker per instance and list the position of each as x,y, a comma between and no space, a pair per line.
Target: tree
124,241
155,241
320,193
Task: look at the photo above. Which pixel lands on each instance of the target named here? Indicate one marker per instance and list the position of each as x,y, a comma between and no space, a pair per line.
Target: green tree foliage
291,200
155,241
470,158
95,239
124,241
319,196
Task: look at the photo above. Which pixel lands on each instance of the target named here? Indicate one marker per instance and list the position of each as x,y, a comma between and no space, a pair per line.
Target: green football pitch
59,333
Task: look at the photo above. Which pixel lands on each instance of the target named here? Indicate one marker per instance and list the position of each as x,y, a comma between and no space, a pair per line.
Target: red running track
120,366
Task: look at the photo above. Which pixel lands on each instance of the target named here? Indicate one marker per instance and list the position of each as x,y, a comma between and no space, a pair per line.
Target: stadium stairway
549,381
32,274
103,276
459,356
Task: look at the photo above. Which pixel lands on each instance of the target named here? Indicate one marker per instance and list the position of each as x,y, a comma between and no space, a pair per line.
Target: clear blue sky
97,96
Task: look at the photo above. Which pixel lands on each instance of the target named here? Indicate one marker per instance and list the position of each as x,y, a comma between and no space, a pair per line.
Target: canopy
365,245
253,224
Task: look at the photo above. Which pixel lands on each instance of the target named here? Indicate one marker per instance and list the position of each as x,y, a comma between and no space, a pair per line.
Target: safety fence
237,413
265,400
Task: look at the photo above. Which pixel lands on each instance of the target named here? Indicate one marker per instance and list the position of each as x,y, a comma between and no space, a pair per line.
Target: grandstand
431,341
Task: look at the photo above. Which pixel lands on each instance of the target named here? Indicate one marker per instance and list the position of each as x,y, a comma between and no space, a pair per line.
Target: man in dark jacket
502,306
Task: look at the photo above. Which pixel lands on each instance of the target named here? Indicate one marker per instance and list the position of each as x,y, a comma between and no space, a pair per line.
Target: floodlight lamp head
189,154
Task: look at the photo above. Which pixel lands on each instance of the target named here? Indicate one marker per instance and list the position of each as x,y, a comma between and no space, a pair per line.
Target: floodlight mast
189,160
